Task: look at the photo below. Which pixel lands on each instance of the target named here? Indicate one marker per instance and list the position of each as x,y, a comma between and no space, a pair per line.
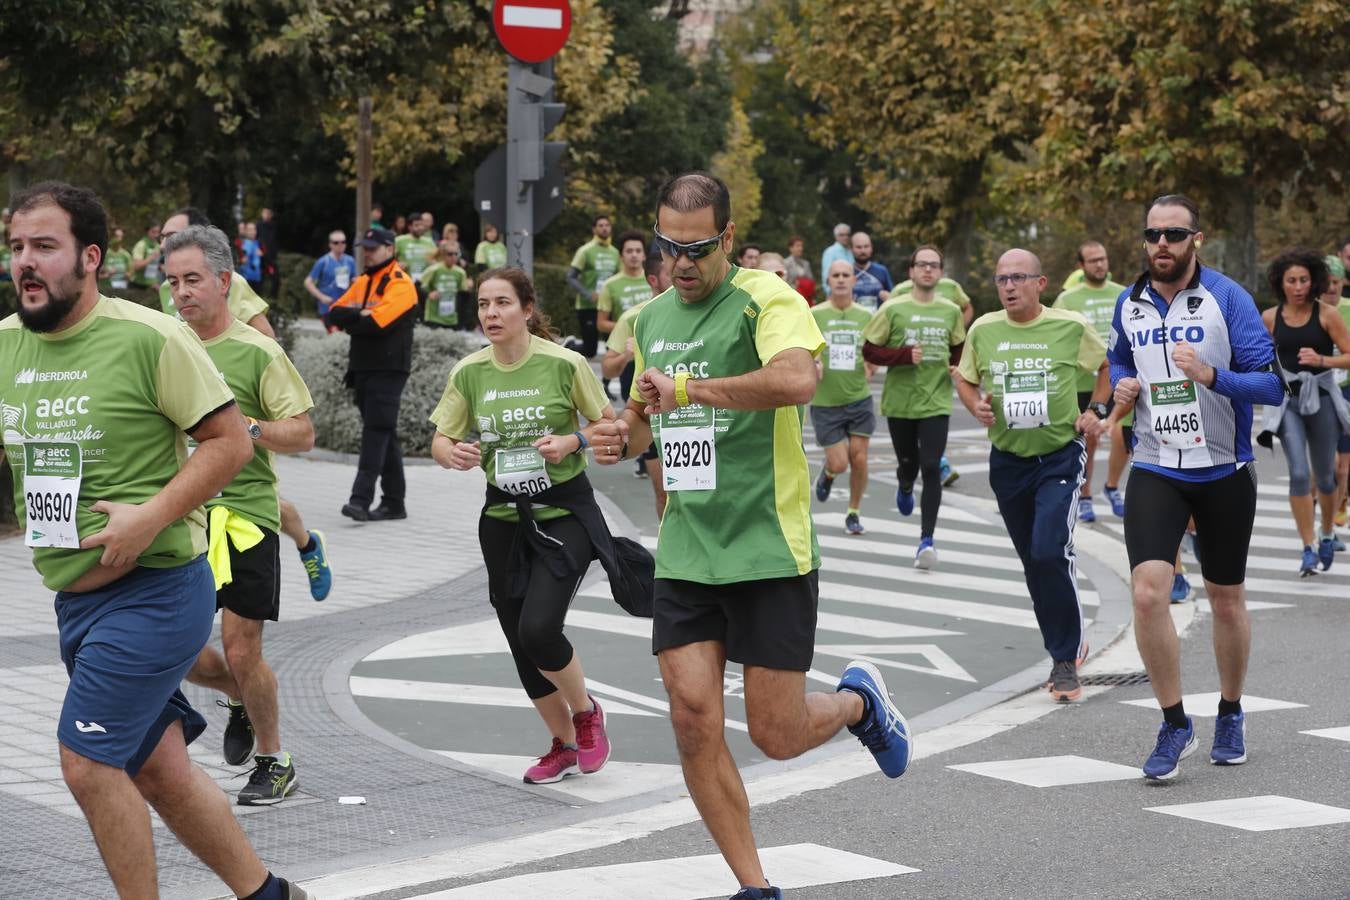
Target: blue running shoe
1336,543
1174,745
1117,501
853,525
949,475
823,484
926,556
758,893
1230,740
882,729
316,567
1181,588
1326,553
904,500
1085,511
1309,564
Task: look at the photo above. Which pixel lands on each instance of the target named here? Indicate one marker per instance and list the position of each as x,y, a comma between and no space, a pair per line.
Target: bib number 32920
1026,402
521,471
689,449
51,487
1176,414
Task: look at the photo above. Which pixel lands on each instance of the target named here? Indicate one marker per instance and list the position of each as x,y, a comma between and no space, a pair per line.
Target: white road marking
1207,705
1265,813
615,781
472,694
1336,734
685,878
1052,771
939,663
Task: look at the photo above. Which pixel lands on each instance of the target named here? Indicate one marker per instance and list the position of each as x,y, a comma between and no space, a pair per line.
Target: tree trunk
956,249
1242,246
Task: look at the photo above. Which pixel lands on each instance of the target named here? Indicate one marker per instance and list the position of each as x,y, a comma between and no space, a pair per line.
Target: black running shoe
240,741
386,511
270,782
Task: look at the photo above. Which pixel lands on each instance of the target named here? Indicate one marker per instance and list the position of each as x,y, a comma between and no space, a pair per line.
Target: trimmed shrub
322,361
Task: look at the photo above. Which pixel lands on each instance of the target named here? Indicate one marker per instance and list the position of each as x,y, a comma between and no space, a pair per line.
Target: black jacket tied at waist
630,567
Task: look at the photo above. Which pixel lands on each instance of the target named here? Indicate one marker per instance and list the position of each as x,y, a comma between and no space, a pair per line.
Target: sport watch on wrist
254,429
1098,409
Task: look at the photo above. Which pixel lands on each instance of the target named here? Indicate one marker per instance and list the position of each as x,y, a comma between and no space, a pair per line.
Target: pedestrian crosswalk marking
915,578
933,606
939,663
877,628
1052,771
472,694
1336,734
616,781
1264,813
458,640
684,878
1207,705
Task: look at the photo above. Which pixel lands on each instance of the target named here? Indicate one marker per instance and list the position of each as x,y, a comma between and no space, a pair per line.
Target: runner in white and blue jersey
1189,349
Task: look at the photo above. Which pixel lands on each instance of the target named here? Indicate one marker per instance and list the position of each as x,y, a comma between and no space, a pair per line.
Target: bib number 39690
521,471
1026,402
689,449
1176,414
51,486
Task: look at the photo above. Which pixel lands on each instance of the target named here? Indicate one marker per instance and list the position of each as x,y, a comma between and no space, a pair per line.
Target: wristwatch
1099,409
254,429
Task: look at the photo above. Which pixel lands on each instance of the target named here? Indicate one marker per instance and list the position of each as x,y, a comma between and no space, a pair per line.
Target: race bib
1176,414
152,271
342,278
119,282
51,485
689,449
1026,404
446,307
843,351
521,471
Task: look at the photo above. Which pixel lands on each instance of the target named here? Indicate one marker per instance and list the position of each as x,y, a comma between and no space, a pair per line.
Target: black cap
376,237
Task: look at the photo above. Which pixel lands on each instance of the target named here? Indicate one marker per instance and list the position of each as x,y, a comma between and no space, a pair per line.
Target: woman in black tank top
1307,335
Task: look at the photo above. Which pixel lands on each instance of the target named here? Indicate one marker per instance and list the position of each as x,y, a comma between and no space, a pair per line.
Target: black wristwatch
254,429
1099,409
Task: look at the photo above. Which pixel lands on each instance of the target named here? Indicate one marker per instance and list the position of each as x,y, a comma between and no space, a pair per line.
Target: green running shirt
1098,306
757,523
449,281
1051,349
621,293
924,390
124,383
267,387
840,382
596,262
506,407
414,254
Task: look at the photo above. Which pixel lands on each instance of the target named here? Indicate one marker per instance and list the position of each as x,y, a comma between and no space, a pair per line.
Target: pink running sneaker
592,741
555,765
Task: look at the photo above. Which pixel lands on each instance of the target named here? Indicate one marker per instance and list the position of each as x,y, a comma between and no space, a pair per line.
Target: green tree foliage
735,165
1241,104
915,90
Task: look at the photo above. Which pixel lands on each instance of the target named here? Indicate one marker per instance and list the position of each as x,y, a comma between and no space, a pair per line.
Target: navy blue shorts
127,647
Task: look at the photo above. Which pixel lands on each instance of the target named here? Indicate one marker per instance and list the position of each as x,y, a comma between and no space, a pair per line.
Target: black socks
1175,716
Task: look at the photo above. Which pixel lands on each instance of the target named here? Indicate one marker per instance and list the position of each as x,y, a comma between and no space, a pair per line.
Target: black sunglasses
696,250
1173,235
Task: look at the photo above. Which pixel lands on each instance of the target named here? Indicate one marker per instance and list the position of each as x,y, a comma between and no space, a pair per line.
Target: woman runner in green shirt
512,408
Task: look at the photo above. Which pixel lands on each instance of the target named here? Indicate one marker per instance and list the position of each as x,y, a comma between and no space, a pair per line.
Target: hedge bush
322,361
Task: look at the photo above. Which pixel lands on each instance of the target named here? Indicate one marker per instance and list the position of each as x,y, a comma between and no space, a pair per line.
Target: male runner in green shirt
591,266
243,519
1094,296
620,293
145,259
842,413
415,249
725,358
1018,377
99,397
914,334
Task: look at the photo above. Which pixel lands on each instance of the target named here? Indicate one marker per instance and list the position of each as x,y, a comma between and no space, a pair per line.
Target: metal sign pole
520,139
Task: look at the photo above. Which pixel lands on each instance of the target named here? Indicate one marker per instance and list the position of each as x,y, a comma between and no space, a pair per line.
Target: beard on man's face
60,300
1172,269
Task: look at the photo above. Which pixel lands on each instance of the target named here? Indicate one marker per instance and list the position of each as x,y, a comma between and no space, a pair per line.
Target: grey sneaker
270,782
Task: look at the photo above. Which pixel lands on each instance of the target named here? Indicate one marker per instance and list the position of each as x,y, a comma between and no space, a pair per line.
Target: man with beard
1189,350
592,265
415,249
100,395
872,281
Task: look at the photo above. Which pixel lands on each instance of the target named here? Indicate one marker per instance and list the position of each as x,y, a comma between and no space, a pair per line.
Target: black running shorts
255,592
769,622
1157,509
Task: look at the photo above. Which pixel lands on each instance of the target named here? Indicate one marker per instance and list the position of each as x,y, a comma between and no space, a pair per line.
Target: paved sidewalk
404,582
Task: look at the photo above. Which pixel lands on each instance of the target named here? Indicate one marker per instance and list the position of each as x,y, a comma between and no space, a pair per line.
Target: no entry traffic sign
532,30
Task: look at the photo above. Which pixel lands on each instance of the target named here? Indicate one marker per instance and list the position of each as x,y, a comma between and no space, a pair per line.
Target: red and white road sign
532,30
